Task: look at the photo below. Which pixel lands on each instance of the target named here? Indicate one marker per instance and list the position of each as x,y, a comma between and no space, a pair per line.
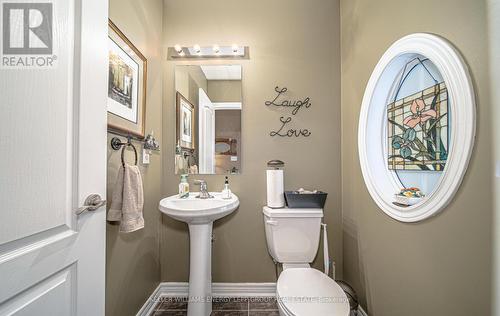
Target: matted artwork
418,130
185,122
126,84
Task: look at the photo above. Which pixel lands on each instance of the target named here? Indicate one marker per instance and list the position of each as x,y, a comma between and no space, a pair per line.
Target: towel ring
116,143
123,153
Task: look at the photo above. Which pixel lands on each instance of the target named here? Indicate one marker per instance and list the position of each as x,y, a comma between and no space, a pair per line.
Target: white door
207,134
53,86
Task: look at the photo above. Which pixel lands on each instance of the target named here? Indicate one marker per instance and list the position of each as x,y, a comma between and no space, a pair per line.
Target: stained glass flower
419,114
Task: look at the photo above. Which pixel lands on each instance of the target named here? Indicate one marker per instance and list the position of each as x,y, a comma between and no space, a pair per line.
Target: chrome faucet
204,194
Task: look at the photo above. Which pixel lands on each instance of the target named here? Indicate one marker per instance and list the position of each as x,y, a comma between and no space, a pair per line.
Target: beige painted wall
494,52
224,90
441,266
132,260
188,80
292,43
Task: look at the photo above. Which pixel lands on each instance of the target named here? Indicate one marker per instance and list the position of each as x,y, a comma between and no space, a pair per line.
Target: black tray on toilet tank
305,200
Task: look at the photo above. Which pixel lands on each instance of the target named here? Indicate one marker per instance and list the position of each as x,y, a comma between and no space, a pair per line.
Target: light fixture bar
215,51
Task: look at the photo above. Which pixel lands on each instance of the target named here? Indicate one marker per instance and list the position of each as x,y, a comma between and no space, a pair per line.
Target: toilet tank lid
292,212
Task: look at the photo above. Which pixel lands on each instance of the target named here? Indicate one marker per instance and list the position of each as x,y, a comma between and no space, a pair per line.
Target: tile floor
223,306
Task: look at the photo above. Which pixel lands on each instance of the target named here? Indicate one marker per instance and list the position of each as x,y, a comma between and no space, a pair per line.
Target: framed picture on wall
126,84
185,122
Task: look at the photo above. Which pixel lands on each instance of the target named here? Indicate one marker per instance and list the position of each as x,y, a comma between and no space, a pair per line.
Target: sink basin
197,211
199,214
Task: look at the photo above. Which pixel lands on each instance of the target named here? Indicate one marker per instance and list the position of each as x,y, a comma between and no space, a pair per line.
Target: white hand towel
127,200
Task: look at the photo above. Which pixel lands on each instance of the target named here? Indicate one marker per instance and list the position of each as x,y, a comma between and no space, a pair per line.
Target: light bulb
235,48
216,49
197,48
178,48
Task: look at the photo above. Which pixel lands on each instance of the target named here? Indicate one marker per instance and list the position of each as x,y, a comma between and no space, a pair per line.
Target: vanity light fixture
215,51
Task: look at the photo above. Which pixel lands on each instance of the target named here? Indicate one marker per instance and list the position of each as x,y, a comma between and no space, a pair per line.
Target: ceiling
222,72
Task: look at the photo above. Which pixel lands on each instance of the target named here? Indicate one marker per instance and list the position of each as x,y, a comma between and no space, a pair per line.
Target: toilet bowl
292,237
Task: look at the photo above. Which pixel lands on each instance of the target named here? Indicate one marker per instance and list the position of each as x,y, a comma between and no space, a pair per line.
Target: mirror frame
381,182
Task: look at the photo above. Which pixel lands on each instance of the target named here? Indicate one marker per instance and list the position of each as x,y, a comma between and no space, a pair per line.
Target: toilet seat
309,292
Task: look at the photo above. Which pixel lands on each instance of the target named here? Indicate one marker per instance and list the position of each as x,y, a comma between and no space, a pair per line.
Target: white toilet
292,239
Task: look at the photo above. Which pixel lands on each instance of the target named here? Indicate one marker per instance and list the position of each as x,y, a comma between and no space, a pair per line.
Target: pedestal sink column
200,271
199,214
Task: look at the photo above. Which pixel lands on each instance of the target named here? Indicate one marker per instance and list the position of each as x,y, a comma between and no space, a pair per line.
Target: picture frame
185,113
127,84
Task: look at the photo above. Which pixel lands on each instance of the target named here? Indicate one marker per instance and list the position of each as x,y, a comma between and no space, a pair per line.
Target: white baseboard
149,306
361,311
180,289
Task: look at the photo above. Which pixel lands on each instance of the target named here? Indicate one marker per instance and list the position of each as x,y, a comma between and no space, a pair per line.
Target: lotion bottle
184,187
226,192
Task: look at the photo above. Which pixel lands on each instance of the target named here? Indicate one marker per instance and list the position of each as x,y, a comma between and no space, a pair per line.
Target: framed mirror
208,108
417,127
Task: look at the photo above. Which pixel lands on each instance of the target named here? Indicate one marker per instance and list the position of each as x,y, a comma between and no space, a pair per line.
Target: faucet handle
202,184
204,194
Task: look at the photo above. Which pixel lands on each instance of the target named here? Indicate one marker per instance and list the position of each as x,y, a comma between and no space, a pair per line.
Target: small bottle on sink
184,187
226,192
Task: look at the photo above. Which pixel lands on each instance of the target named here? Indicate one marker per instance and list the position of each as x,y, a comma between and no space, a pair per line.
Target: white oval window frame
381,182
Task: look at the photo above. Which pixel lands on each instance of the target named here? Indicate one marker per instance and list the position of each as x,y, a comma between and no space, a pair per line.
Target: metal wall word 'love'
296,106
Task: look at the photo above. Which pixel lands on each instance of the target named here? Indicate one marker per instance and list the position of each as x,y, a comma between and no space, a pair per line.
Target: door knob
92,203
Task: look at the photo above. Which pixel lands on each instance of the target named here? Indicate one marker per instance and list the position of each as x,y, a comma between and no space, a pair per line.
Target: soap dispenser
226,192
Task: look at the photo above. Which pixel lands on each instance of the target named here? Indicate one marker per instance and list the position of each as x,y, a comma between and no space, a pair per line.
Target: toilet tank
292,234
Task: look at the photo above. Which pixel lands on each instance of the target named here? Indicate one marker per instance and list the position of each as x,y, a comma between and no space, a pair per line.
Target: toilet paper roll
275,189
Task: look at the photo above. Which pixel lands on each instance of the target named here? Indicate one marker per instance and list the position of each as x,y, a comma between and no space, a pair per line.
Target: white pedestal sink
199,214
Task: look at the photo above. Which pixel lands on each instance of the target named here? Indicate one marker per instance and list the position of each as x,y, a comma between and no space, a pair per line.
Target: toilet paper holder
275,184
275,164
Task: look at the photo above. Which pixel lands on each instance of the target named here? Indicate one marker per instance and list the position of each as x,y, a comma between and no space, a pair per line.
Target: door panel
53,144
27,265
206,134
37,113
52,296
